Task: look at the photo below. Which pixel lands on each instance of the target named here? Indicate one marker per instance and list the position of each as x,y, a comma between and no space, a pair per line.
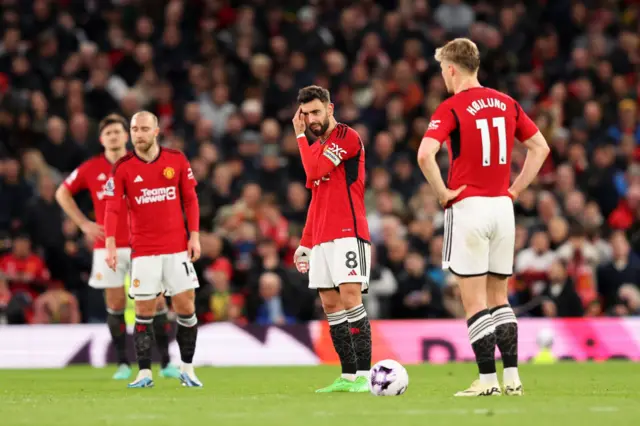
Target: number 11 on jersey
483,125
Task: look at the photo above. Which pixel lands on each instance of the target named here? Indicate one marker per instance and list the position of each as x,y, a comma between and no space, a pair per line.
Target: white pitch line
603,409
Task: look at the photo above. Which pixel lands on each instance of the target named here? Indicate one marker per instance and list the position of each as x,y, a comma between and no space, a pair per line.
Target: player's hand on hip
513,194
299,125
92,230
450,194
301,259
112,258
193,248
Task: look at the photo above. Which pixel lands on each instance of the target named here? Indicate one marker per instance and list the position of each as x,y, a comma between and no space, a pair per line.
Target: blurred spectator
619,280
56,307
382,286
26,277
559,296
14,195
273,308
218,301
417,295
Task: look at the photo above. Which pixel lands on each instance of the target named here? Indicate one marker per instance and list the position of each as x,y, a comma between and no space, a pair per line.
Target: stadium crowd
223,75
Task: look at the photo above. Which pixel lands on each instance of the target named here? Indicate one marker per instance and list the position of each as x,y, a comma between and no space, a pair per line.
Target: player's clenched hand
298,122
193,247
92,230
450,194
112,258
301,259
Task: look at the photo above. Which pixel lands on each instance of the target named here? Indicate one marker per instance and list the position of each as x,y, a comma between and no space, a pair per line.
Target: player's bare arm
537,152
70,207
193,246
427,152
112,254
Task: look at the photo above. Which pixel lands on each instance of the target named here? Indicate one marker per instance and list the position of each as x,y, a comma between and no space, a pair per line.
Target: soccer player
92,175
479,126
335,246
156,184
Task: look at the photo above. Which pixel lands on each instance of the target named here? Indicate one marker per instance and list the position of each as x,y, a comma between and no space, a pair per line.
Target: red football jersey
155,193
480,126
92,175
336,174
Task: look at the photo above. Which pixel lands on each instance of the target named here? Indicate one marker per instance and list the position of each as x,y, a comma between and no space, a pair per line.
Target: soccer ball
545,338
388,378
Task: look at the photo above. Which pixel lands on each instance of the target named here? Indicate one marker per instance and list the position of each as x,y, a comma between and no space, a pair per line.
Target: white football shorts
479,237
104,277
345,260
170,274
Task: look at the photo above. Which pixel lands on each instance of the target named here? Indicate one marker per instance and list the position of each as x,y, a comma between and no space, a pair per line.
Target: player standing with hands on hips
480,126
335,247
157,183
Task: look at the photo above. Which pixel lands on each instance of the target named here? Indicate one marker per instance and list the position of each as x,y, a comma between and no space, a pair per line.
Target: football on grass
388,378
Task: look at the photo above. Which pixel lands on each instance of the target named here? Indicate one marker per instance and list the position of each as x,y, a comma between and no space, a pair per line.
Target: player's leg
501,251
341,339
115,300
180,281
465,253
162,331
112,282
506,325
350,269
320,279
146,275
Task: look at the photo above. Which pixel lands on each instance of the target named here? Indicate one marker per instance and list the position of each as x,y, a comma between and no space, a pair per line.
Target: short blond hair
462,52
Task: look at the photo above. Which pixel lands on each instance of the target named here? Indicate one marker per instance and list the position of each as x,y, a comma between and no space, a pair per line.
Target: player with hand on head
335,247
156,184
92,176
480,126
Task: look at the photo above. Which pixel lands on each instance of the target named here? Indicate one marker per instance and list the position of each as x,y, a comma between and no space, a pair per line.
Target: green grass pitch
603,394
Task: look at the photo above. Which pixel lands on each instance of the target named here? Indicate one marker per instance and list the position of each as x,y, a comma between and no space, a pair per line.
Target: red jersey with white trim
479,126
92,176
156,193
336,175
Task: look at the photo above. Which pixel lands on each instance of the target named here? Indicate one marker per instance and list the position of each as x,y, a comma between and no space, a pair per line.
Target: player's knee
331,301
183,303
351,295
145,308
115,299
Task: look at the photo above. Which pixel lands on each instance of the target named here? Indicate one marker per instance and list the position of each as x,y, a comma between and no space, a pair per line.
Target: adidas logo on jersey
353,273
138,179
102,176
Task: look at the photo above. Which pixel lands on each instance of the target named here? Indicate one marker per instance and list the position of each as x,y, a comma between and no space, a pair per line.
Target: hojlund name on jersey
485,103
156,195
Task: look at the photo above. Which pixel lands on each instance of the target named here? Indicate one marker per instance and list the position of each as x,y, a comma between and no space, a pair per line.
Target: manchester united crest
136,283
168,172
